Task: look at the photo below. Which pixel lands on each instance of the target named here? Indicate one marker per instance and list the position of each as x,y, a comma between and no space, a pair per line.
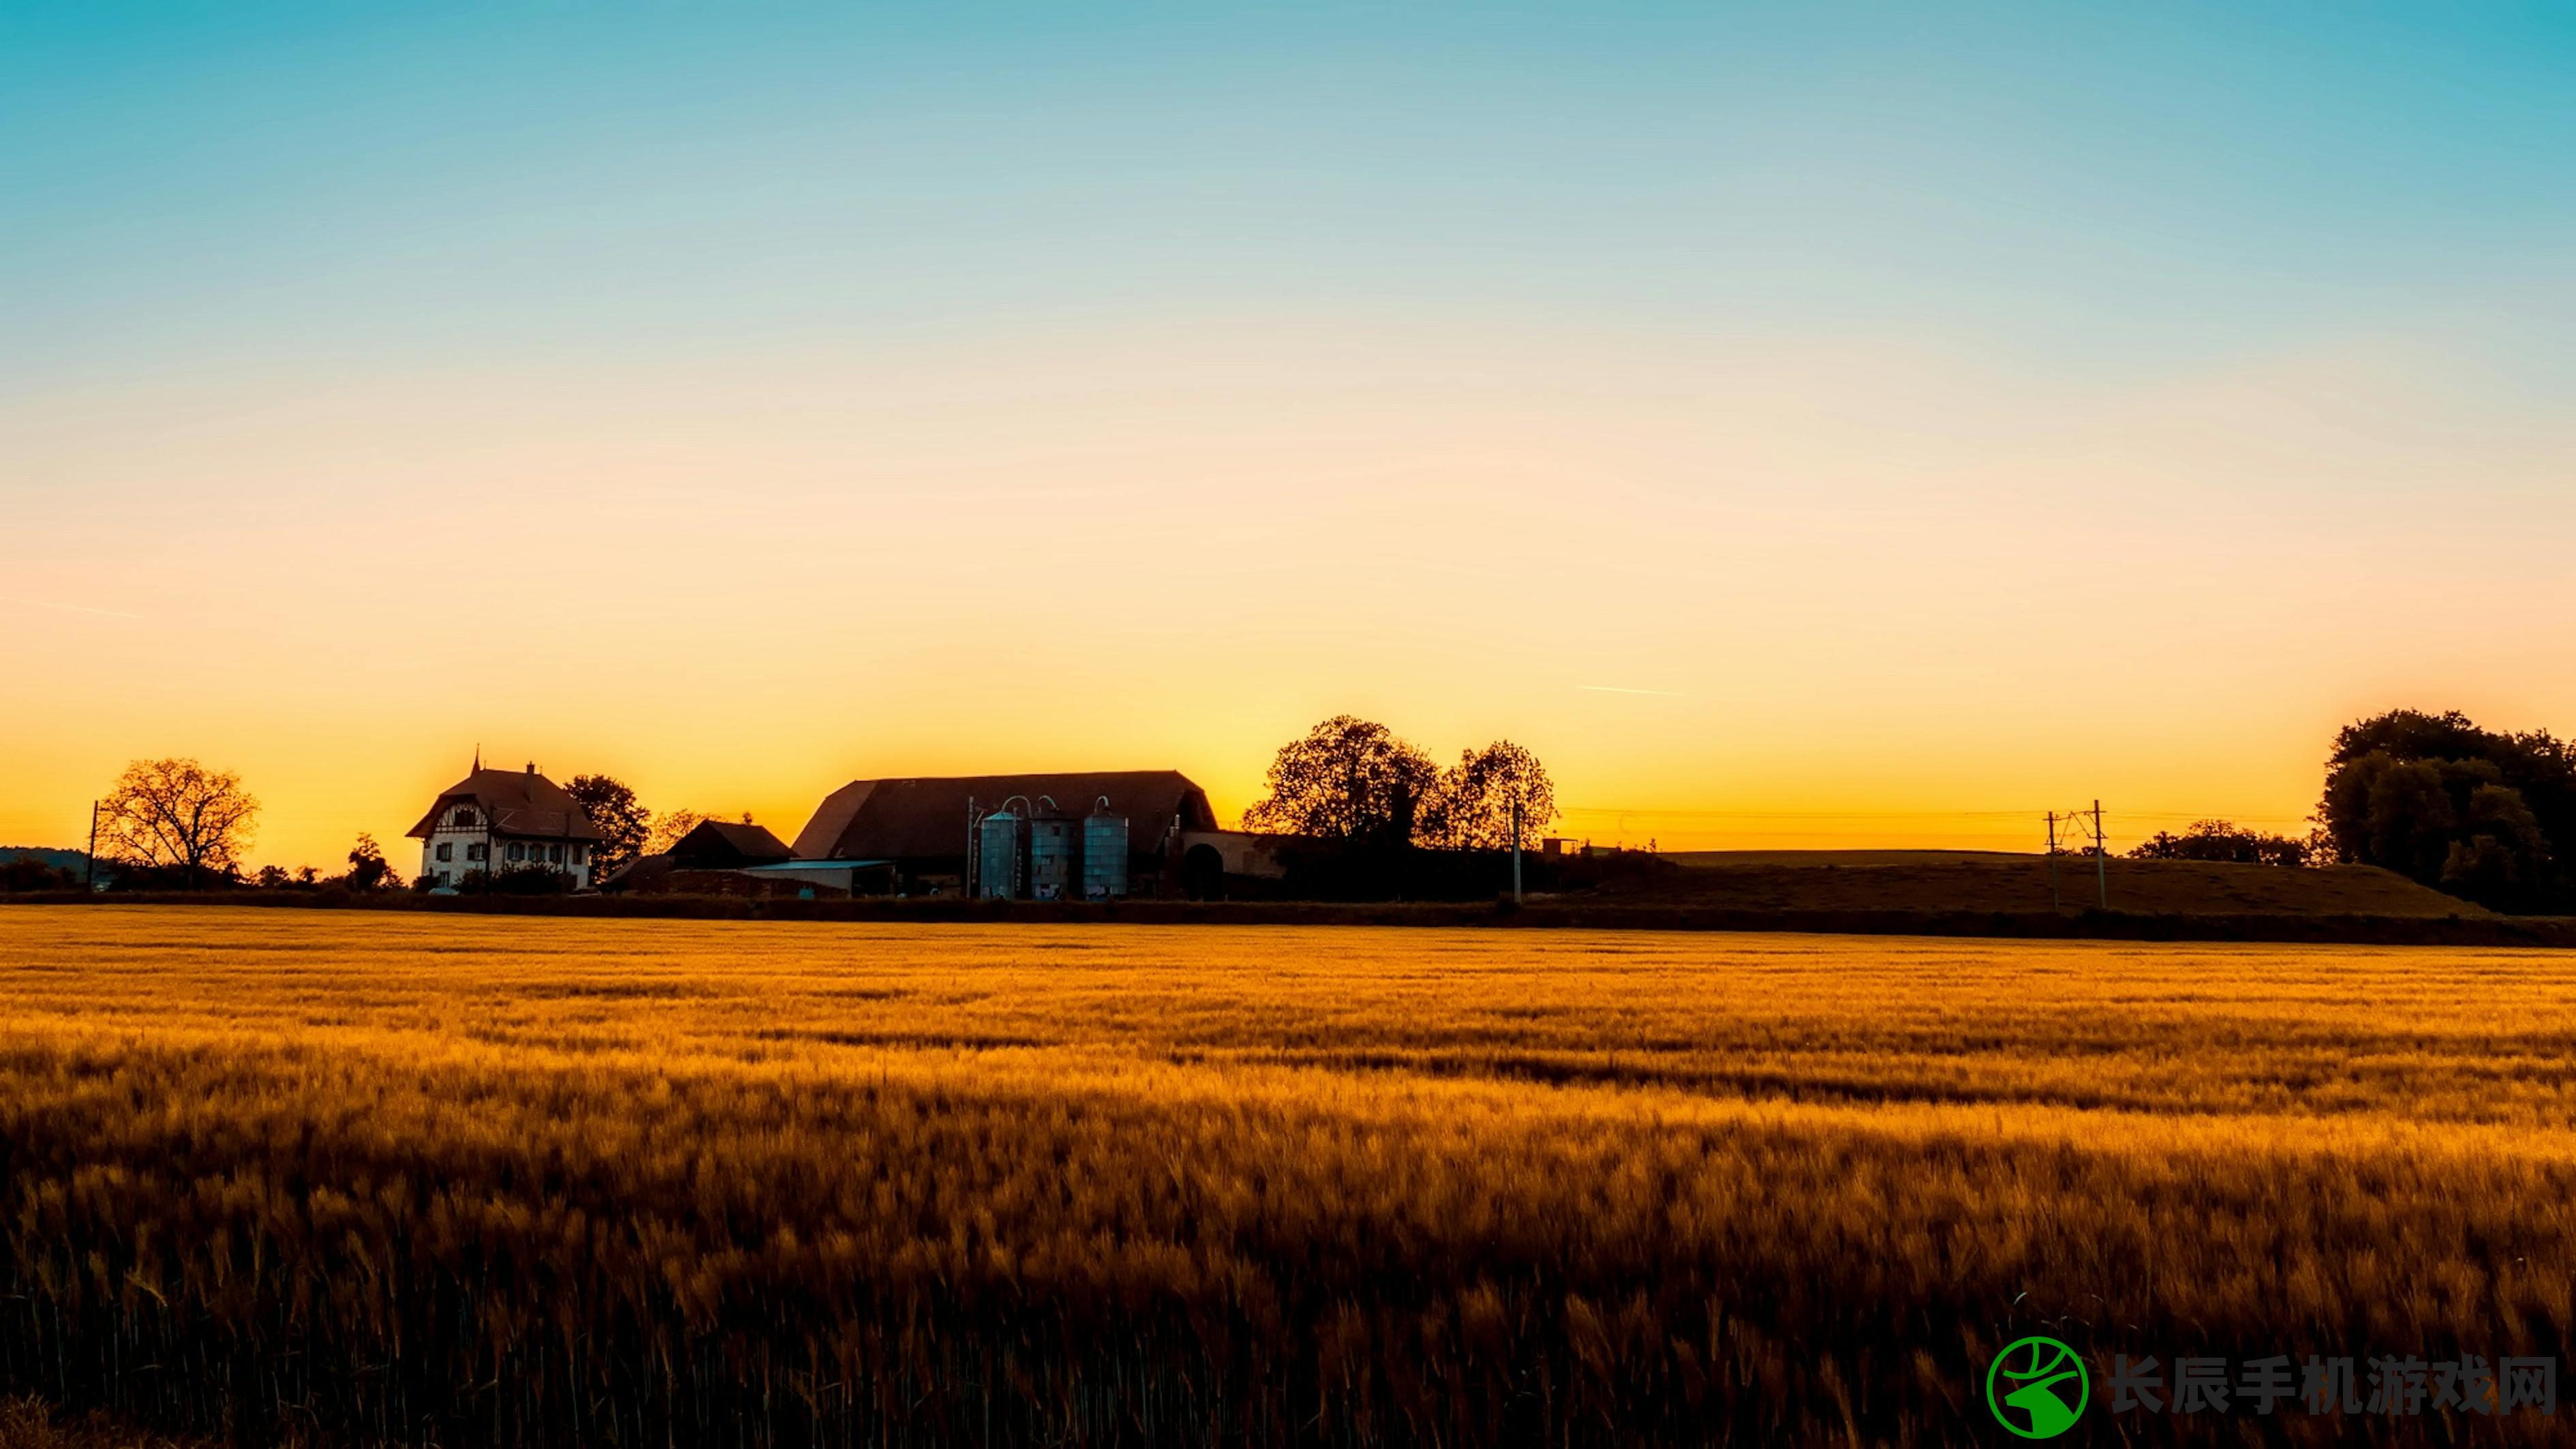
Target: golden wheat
403,1177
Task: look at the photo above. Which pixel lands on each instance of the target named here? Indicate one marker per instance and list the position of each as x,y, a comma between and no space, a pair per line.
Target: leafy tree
623,822
2500,857
2487,815
1472,807
1348,779
2222,840
178,815
368,868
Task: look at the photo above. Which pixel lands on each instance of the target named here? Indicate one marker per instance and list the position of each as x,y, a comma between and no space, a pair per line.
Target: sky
1801,425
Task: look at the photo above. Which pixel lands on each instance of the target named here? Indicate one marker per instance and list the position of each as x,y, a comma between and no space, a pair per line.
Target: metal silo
997,855
1104,854
1055,846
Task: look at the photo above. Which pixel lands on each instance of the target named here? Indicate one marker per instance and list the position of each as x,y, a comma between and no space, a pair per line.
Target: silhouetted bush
23,875
2220,840
131,877
517,880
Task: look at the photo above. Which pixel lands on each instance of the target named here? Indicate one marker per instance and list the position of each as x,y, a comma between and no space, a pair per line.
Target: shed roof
730,841
913,818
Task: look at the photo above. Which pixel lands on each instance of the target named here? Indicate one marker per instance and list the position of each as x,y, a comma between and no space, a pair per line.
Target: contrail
1620,689
73,608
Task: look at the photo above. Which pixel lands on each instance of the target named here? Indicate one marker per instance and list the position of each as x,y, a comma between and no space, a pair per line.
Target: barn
1112,833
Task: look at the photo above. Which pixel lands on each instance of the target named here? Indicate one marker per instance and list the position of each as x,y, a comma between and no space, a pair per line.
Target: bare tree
178,814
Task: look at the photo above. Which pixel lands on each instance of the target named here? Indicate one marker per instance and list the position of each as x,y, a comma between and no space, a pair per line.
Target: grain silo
1055,855
1104,853
997,855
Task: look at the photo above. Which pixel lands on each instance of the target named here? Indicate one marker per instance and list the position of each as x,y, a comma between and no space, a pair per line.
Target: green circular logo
2037,1387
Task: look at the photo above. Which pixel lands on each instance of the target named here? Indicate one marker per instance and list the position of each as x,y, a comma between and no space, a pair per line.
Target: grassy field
30,1423
490,1180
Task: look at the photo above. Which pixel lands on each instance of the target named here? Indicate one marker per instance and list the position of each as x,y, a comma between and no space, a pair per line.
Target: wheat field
400,1178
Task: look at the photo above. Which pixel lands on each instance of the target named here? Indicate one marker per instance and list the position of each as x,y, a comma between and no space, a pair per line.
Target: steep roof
519,802
727,841
643,870
893,819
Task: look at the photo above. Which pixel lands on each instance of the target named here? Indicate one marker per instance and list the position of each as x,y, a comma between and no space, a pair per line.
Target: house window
554,853
518,851
442,877
466,819
446,852
576,855
475,851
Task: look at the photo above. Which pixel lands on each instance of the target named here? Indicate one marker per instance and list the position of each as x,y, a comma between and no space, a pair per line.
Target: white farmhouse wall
462,841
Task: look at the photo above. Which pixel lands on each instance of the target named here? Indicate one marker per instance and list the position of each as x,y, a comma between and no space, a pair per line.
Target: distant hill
1971,881
58,859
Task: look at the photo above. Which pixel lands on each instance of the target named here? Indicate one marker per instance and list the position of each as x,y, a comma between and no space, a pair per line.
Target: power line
1793,814
2019,814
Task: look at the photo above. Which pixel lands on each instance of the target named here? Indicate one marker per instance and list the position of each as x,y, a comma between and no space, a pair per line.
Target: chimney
532,767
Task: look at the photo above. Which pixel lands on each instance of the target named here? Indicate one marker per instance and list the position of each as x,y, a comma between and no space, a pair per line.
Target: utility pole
2054,903
2101,855
89,862
1516,850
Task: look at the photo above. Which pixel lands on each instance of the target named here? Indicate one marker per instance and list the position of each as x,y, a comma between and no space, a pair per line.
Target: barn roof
519,802
892,819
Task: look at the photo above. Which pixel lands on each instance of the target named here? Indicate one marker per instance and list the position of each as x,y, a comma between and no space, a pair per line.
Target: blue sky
2105,190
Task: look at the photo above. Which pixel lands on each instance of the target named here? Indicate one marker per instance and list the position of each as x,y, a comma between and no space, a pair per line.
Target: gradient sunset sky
1802,425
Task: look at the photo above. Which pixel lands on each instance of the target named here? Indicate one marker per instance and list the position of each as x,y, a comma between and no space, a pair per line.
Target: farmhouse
495,819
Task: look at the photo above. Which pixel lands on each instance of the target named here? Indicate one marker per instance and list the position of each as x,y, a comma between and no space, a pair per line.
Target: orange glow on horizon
1725,615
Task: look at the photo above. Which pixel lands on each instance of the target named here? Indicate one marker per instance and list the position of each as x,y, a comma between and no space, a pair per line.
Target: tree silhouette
368,868
624,823
2486,815
669,826
1472,808
178,814
1348,779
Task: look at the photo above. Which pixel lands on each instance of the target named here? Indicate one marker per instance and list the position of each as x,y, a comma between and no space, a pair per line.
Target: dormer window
466,818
